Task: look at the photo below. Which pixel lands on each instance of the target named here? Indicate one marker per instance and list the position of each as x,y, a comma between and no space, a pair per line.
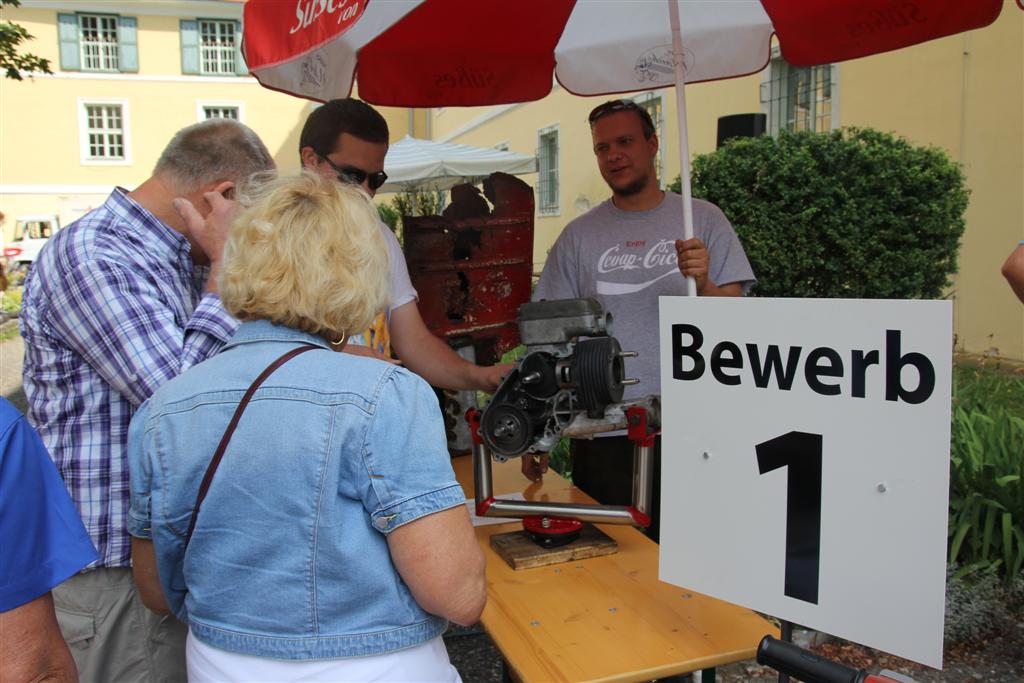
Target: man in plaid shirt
118,303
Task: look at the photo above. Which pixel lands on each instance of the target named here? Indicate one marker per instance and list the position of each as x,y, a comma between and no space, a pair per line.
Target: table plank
605,618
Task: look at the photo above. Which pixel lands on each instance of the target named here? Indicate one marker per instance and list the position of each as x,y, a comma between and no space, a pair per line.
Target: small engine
560,376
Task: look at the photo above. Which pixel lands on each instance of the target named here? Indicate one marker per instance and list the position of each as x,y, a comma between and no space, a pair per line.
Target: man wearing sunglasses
348,138
626,252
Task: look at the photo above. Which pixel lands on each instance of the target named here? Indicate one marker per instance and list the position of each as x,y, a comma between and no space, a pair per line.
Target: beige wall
964,94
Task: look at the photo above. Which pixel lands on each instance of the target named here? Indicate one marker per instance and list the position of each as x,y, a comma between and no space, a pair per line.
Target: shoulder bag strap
212,468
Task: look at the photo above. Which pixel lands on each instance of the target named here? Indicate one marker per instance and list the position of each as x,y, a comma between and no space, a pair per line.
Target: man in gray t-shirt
626,253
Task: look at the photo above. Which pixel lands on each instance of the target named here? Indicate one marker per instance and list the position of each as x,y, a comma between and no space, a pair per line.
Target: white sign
805,462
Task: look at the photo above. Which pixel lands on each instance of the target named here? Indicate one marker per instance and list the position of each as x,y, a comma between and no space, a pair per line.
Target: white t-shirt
424,663
402,292
627,259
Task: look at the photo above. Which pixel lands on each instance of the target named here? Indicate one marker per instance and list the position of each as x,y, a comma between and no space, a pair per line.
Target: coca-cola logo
658,65
308,11
660,255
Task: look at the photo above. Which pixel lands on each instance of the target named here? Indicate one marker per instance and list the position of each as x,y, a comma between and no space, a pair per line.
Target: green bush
854,213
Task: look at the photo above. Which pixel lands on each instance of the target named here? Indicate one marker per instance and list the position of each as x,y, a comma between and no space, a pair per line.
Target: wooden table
606,618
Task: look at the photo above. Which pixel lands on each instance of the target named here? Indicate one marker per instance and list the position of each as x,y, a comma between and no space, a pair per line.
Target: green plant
12,300
981,385
986,524
419,202
560,460
389,215
854,213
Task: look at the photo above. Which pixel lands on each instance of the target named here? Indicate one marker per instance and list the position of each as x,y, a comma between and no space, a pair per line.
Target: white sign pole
805,462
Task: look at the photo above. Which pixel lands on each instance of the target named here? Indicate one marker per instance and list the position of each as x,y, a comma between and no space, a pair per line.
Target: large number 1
801,453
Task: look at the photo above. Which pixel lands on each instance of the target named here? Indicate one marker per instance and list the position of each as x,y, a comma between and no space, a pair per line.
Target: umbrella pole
684,142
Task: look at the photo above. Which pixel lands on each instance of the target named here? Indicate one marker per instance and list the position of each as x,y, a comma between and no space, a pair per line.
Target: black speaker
741,126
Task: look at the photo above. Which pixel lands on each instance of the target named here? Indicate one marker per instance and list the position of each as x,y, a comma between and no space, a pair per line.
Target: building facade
126,76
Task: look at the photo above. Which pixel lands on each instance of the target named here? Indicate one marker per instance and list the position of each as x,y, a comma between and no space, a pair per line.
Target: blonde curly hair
306,252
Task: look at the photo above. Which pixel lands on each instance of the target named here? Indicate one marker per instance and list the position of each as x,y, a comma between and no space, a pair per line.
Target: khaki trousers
111,634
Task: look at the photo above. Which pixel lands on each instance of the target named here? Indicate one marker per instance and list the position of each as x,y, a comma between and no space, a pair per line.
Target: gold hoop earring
341,340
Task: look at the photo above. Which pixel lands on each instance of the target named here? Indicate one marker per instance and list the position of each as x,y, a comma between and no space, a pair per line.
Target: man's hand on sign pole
694,262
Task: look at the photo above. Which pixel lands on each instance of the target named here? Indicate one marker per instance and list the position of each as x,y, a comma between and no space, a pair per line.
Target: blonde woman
332,542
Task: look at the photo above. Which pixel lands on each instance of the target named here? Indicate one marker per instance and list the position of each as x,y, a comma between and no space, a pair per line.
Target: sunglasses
613,106
357,176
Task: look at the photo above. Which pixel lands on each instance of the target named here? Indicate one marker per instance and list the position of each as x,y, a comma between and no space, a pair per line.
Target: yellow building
126,76
964,94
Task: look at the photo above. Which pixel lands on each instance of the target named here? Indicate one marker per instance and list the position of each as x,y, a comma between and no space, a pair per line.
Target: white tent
422,164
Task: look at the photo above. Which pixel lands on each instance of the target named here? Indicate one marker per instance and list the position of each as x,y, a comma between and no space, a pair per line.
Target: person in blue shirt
42,543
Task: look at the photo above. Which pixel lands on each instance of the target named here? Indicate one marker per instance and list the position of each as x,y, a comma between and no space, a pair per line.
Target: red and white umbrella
430,53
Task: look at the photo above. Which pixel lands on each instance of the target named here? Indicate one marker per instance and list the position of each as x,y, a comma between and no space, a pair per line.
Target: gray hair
211,151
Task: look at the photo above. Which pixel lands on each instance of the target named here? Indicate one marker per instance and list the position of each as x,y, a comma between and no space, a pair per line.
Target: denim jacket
289,557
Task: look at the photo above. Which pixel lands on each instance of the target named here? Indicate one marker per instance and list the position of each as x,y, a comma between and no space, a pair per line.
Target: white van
30,234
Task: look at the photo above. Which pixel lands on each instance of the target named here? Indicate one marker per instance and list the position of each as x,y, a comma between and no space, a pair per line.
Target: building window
103,132
652,104
105,128
216,47
220,109
547,163
98,42
97,39
220,113
799,98
212,47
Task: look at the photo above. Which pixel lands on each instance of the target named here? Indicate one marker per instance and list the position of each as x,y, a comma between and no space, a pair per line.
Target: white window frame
103,47
218,52
556,208
201,106
775,124
83,131
659,130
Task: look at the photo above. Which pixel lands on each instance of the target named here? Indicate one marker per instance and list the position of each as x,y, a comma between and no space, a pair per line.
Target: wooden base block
521,552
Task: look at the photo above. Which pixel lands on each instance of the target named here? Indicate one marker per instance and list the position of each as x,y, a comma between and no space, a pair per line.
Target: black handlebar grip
807,666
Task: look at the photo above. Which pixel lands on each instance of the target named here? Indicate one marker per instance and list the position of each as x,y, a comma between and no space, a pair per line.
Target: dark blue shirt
42,539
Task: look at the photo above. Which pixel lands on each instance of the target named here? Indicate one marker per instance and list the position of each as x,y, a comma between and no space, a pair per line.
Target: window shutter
189,46
67,32
127,44
240,68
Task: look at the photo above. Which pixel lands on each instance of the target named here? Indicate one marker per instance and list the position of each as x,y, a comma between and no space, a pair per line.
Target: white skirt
424,663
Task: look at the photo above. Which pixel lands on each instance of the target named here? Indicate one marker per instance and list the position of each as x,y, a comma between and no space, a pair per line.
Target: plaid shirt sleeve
123,327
